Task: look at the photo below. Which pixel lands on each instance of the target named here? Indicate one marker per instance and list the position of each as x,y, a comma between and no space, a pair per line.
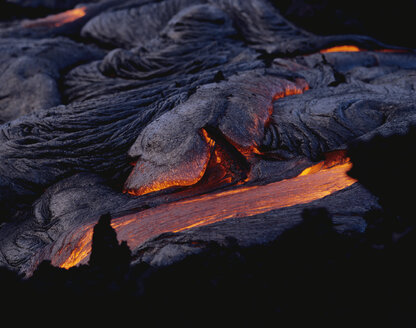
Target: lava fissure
354,48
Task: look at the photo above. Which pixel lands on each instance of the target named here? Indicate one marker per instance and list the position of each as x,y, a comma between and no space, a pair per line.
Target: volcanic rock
139,104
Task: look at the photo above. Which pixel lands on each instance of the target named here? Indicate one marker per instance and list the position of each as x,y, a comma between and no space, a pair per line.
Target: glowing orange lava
332,158
352,48
345,48
58,19
81,251
211,208
289,90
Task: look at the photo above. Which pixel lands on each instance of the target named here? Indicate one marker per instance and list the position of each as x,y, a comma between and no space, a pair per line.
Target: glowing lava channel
344,48
58,19
352,48
210,208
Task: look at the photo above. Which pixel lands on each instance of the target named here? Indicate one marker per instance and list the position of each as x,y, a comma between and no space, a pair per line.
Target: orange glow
346,48
58,19
248,151
210,208
222,169
80,252
332,158
351,48
162,185
288,90
207,138
221,166
291,90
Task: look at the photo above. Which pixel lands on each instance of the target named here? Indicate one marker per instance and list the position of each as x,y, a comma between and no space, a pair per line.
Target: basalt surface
137,108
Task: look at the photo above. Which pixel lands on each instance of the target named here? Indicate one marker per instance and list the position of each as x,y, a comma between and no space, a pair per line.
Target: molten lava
332,158
58,19
352,48
210,208
82,250
222,168
345,48
291,90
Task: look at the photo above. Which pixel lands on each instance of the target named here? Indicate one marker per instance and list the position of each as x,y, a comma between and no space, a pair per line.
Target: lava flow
58,19
344,48
210,208
352,48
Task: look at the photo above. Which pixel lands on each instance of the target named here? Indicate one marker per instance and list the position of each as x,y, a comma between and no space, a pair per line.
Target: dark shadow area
388,22
310,276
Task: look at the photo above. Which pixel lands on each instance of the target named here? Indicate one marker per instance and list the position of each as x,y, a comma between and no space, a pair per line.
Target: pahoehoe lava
144,108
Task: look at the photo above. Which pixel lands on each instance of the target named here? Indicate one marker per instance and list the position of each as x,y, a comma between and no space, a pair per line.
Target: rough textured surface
30,70
140,83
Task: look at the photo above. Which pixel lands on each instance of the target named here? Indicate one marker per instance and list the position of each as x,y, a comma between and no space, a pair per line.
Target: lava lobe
175,149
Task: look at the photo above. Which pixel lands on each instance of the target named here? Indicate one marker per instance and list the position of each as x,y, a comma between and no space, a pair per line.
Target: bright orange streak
351,48
332,158
82,249
211,208
58,19
346,48
291,90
